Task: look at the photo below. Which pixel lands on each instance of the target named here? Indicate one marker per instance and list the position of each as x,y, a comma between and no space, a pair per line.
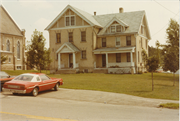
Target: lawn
137,84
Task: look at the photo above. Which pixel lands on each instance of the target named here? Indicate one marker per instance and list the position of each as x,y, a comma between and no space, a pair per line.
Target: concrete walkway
103,97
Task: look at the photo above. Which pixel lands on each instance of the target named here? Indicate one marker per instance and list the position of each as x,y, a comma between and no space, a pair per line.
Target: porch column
59,61
131,58
74,60
106,60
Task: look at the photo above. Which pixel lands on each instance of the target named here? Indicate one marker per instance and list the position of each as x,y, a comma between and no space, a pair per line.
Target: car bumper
14,90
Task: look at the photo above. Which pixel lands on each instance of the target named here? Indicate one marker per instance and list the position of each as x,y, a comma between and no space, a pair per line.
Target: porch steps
66,71
100,71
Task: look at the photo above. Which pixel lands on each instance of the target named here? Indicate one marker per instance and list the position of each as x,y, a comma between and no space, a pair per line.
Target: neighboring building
110,43
12,41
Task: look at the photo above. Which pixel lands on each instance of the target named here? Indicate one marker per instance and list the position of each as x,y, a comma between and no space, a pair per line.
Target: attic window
116,28
70,20
142,29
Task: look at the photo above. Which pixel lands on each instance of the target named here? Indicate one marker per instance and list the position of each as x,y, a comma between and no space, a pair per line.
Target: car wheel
15,93
56,87
35,92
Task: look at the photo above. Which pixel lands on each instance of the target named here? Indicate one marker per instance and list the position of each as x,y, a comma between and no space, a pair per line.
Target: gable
87,19
62,20
7,23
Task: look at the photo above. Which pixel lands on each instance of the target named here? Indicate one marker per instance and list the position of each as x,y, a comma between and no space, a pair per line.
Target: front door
70,60
103,60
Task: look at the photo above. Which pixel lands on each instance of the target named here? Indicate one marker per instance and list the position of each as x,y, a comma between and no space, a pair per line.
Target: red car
4,77
32,83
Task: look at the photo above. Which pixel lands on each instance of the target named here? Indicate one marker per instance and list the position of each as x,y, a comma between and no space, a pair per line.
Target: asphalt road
49,106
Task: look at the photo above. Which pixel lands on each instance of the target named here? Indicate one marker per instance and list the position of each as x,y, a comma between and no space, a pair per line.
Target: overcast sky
33,14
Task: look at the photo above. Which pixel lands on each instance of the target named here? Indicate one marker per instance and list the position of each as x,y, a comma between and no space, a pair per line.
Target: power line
165,25
164,6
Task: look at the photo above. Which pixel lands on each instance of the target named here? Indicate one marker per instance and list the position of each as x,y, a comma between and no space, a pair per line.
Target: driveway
100,97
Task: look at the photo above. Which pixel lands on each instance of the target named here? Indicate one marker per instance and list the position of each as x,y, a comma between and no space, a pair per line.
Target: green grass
170,105
137,84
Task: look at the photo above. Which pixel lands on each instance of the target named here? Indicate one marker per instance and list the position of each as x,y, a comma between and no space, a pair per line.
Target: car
4,77
32,83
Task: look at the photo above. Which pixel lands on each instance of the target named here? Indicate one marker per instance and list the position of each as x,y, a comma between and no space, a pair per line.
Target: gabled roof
84,15
69,45
8,24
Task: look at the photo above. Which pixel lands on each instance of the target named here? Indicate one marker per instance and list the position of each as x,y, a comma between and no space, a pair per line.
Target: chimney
95,13
121,10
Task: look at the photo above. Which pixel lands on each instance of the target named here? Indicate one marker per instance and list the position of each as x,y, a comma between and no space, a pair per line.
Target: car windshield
3,74
24,78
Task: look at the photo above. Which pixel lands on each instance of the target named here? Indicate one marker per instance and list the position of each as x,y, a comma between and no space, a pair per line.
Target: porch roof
67,47
114,50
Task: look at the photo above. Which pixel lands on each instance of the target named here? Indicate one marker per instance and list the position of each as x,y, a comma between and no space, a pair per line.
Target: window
112,29
67,21
128,40
70,36
70,20
103,42
8,45
18,67
44,77
118,28
38,79
83,54
57,56
58,37
128,57
142,29
9,60
18,50
141,42
118,57
83,36
117,41
146,44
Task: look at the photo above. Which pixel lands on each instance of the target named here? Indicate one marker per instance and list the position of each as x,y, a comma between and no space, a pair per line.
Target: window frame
128,41
128,57
83,54
119,42
83,36
70,35
18,50
68,22
118,57
103,43
58,38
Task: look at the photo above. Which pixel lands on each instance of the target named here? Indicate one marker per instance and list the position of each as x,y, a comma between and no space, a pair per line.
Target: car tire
56,87
35,92
15,93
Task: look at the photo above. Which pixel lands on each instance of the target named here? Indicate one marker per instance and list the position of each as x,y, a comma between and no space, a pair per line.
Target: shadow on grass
163,85
142,91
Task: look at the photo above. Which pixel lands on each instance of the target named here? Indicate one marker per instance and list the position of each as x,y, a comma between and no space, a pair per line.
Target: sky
38,14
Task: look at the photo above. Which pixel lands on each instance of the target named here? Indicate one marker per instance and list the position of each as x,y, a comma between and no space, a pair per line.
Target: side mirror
9,76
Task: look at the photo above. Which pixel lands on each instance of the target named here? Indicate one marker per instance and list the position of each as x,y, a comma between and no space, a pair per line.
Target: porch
115,60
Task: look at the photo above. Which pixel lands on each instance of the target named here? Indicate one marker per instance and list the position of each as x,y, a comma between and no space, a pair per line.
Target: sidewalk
104,97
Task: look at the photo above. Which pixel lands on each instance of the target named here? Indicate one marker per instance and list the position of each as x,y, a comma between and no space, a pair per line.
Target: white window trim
122,28
119,44
70,20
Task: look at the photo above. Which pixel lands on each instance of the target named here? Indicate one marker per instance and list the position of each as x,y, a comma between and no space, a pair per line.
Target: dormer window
116,28
70,20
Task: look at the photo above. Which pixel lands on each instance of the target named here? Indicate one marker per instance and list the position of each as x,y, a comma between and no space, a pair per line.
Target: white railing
122,64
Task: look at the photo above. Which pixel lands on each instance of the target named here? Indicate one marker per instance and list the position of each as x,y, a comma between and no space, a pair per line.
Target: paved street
69,105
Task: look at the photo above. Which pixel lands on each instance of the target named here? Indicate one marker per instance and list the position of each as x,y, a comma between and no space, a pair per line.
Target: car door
46,82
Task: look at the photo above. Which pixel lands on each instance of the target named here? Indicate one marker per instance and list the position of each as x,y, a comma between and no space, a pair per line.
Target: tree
36,52
3,59
47,58
152,64
171,49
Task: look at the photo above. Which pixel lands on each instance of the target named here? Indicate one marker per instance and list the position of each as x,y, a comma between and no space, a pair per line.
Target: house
110,43
12,41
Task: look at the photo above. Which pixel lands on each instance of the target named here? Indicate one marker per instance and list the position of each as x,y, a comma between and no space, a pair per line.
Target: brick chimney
95,13
121,10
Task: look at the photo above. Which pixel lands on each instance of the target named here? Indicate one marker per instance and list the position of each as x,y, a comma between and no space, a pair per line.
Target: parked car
32,83
4,77
160,70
